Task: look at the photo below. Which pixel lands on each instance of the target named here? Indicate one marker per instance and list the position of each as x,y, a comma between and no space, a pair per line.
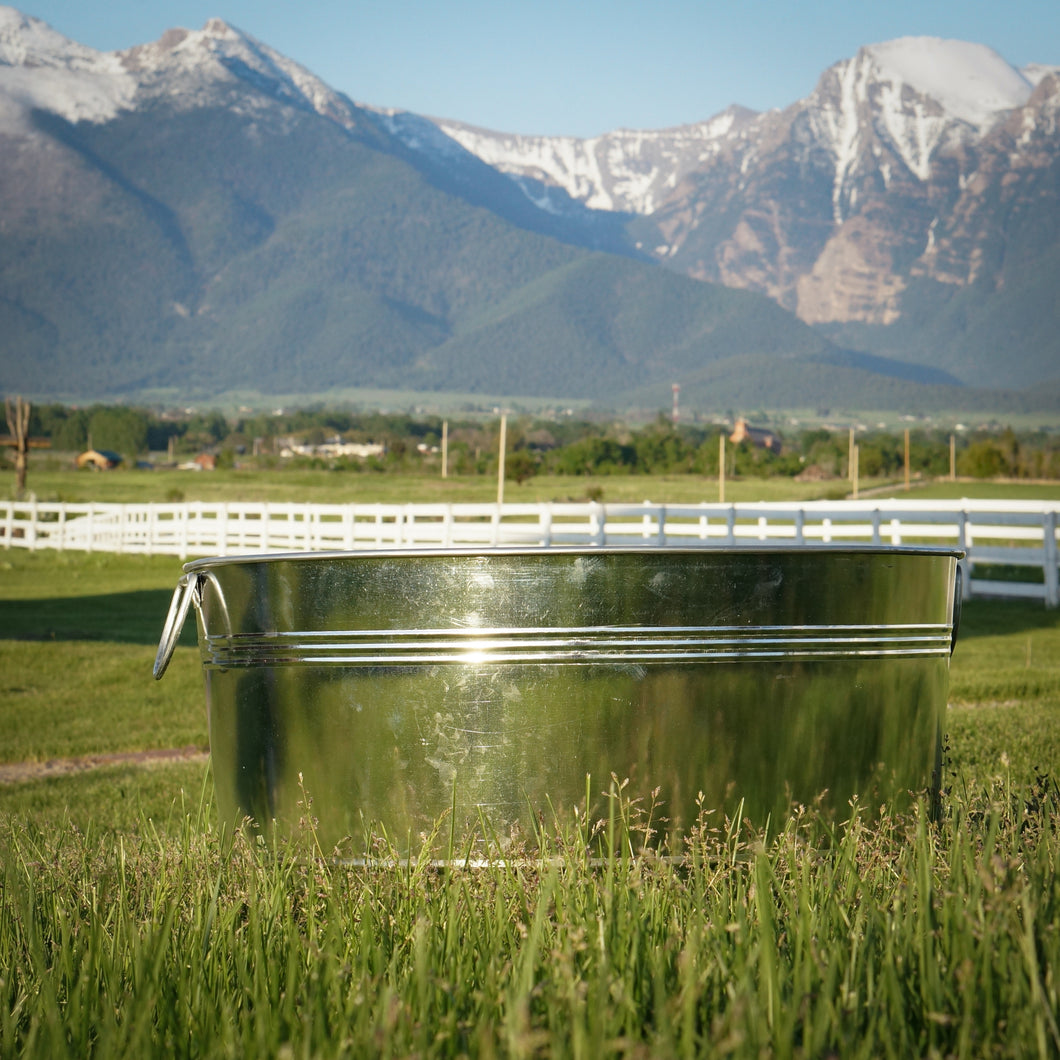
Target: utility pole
677,392
907,458
721,468
500,463
445,448
953,458
854,470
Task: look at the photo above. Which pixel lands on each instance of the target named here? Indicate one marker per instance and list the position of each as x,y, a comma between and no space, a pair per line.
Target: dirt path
20,772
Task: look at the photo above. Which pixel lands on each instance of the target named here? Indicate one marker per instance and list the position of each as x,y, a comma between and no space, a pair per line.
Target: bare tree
18,425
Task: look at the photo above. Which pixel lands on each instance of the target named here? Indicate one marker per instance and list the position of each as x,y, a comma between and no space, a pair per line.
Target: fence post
544,522
347,527
31,529
660,538
222,530
447,526
966,564
597,522
9,524
410,525
703,522
182,543
1052,560
730,522
800,527
876,539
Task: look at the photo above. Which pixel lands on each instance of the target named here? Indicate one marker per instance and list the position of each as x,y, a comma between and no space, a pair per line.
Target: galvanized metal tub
394,687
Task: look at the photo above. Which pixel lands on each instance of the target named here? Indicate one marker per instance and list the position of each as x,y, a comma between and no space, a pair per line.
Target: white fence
1019,536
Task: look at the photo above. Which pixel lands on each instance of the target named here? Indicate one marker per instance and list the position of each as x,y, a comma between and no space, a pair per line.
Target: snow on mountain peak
629,170
971,82
913,94
1035,73
26,41
40,69
220,51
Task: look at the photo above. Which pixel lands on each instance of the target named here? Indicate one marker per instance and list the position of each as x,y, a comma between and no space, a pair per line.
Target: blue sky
571,67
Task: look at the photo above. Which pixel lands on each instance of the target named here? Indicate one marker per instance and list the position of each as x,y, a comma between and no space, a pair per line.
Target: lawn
343,487
129,925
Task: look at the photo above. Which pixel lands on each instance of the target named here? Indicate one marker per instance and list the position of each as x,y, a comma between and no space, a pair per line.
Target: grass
1002,491
78,635
344,487
129,925
903,939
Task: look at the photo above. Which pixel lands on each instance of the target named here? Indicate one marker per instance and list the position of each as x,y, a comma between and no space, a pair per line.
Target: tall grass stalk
892,938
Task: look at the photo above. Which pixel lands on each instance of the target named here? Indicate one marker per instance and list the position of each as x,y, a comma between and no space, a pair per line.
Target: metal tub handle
183,596
958,600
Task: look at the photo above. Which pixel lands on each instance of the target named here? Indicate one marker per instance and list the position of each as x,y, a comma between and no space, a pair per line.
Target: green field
130,926
344,487
366,487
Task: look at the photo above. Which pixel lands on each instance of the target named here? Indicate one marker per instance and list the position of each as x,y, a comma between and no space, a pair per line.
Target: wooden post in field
721,468
445,448
953,458
907,458
850,460
502,445
855,456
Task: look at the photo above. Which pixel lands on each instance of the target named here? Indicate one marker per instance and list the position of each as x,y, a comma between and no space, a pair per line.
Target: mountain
909,206
201,214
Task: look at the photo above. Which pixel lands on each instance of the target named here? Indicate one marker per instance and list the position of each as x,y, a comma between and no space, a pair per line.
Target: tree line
560,445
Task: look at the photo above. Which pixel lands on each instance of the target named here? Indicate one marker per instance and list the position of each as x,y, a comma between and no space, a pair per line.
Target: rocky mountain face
917,171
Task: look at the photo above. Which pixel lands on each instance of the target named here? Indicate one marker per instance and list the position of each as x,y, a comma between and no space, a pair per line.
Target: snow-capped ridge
220,51
913,94
40,69
27,41
626,170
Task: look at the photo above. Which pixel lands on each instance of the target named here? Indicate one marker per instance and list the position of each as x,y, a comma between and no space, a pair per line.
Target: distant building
203,462
333,448
99,459
760,437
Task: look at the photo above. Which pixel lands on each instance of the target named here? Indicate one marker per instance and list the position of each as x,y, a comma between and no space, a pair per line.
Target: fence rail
1015,539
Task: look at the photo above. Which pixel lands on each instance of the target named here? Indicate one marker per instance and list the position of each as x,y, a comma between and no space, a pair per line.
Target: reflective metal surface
393,687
